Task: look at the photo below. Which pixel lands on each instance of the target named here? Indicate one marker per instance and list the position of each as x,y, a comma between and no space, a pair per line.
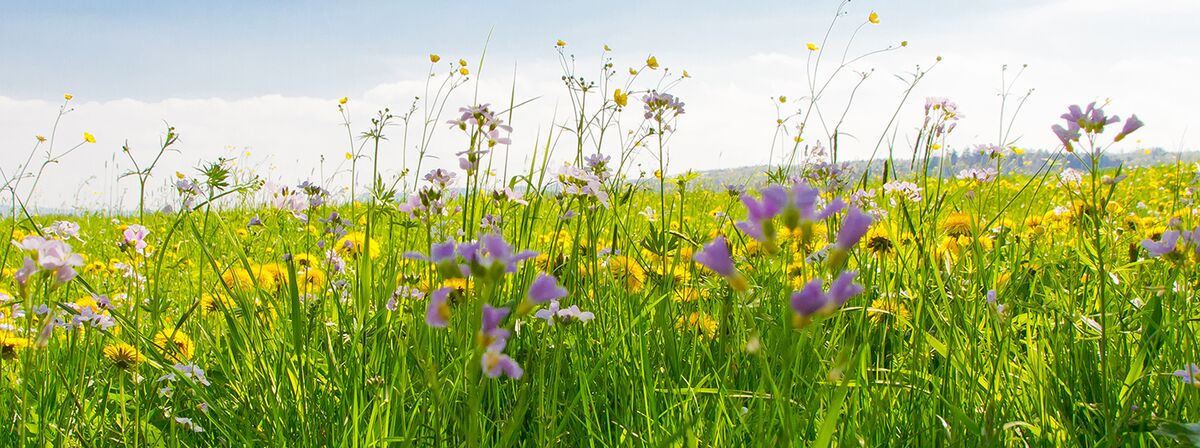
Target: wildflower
40,138
188,424
991,300
175,344
716,256
853,228
1131,124
878,241
437,314
490,333
497,258
135,236
123,356
68,96
904,189
434,58
545,288
957,224
980,175
554,312
89,138
701,323
1165,244
621,97
1190,375
652,62
873,18
561,43
758,224
812,300
63,230
11,344
463,71
661,106
495,363
353,244
881,308
627,271
812,46
343,100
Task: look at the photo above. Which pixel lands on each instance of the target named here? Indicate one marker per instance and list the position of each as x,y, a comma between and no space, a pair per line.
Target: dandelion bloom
434,58
89,138
812,46
123,356
175,344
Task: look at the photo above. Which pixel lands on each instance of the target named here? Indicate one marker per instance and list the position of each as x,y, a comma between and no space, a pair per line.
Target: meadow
574,299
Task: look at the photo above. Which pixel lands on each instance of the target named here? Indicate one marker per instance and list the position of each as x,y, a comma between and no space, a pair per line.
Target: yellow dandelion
628,272
213,302
89,138
882,309
686,294
175,344
957,224
702,324
878,242
873,18
812,46
123,356
352,245
10,345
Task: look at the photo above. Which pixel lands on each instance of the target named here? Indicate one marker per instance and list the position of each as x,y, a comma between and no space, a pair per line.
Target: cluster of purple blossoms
1169,241
481,123
299,200
188,191
488,261
431,199
598,164
942,114
63,230
993,151
903,189
799,211
582,183
507,194
134,237
50,256
979,175
1091,121
1190,375
661,107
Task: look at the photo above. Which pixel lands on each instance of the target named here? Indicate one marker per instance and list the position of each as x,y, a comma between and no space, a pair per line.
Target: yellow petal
812,47
463,71
68,97
89,138
606,48
652,62
434,58
343,100
560,43
462,62
873,18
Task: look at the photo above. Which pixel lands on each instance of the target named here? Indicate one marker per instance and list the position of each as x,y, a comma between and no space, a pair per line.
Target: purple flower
1131,124
853,228
554,312
1067,135
495,363
500,253
135,237
255,221
1190,375
544,289
491,335
1165,244
437,314
716,256
811,300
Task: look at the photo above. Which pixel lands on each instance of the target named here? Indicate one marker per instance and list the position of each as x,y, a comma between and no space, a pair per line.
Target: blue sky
263,76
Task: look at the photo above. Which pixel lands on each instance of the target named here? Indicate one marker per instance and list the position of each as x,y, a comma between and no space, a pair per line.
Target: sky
260,81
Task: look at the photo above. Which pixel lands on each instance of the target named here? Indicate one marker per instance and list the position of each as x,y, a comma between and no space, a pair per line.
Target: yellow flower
957,224
883,308
686,294
652,62
606,48
1017,150
878,241
622,98
434,58
873,18
214,302
41,138
782,98
701,323
686,75
632,71
89,138
178,175
10,345
238,278
349,156
175,344
343,100
904,43
462,62
68,96
561,43
463,71
351,246
627,271
123,356
310,281
658,174
812,47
